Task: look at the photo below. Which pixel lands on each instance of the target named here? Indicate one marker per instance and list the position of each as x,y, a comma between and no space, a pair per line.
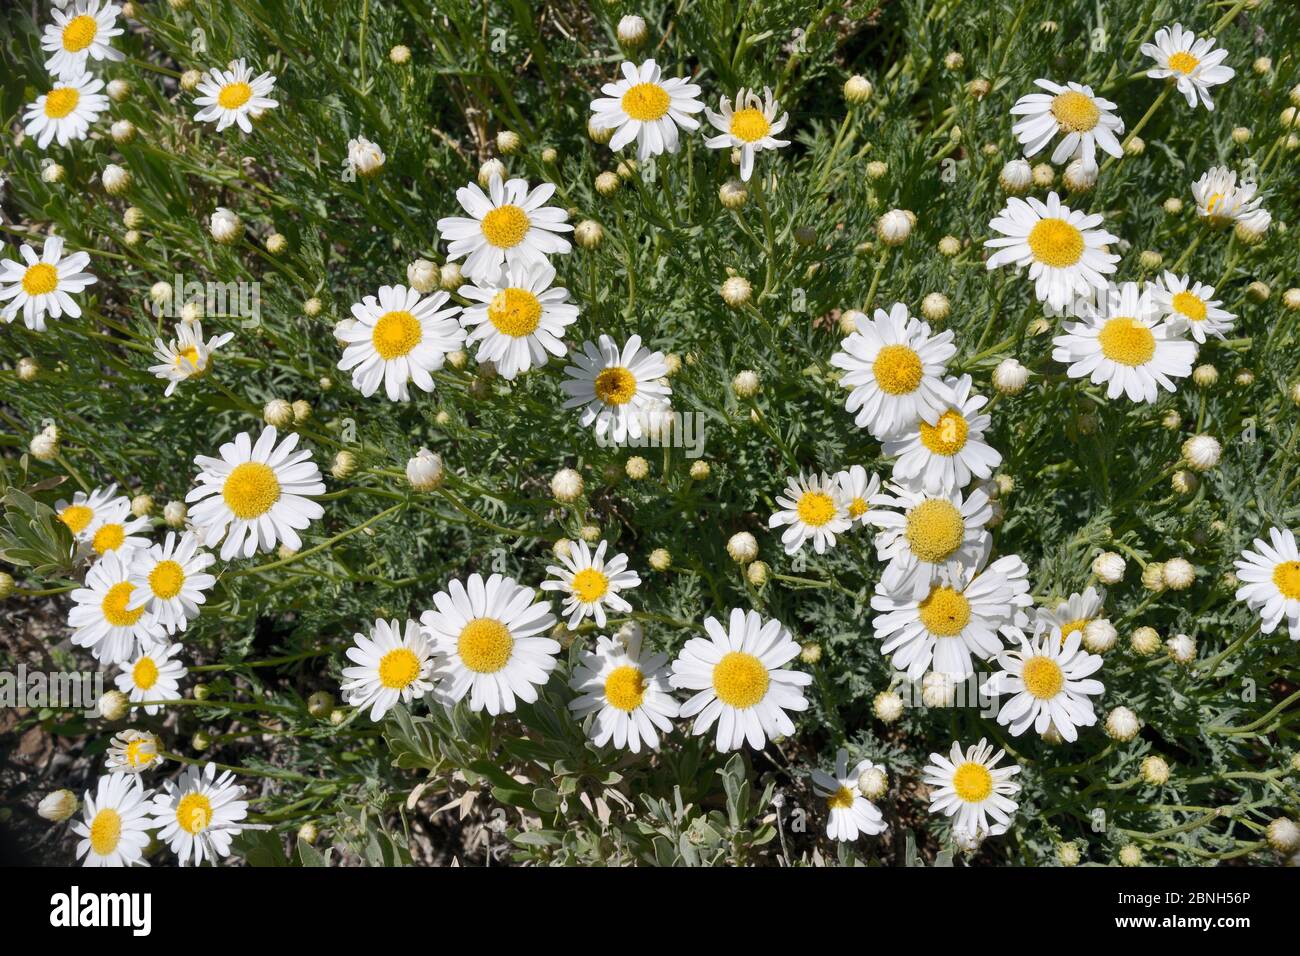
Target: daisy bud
201,740
607,183
938,690
1241,135
28,369
1291,299
277,412
175,513
307,833
954,60
345,465
1262,65
894,227
851,320
1171,420
599,134
113,705
746,384
1150,260
979,88
1173,205
1184,482
1099,635
637,468
116,179
1252,229
1009,377
457,358
399,55
1068,853
1153,577
312,307
550,155
508,143
661,559
1044,175
142,506
858,89
566,486
1181,648
225,225
424,472
877,170
423,276
1244,378
301,412
1016,177
320,704
118,90
589,533
757,573
1079,178
805,235
443,417
1205,376
190,80
451,276
1145,641
1202,452
700,470
1108,567
45,445
743,547
588,234
887,706
133,218
1283,835
277,243
966,839
936,307
736,291
131,237
673,362
873,783
1155,771
949,246
1122,724
57,806
1004,484
123,131
338,717
562,548
490,170
810,652
631,31
6,584
52,173
1130,855
1178,574
733,194
1135,146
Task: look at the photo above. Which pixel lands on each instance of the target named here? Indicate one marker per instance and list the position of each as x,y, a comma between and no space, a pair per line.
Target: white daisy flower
643,106
1049,678
627,692
1062,248
233,96
170,578
186,356
1124,344
397,338
740,680
971,787
198,815
488,636
617,389
115,823
751,126
850,814
86,510
1193,64
895,370
1191,306
253,496
66,111
921,534
1221,202
44,285
1083,120
133,751
1073,614
102,618
517,318
590,583
858,487
509,225
152,675
1270,576
950,453
393,665
814,506
79,35
958,619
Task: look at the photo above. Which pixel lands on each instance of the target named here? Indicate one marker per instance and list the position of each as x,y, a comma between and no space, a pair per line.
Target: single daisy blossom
1270,576
1191,306
950,453
750,126
44,285
186,356
133,751
645,107
79,35
1062,248
509,225
894,368
115,823
153,675
1221,202
393,665
1083,120
849,813
232,96
488,636
626,690
590,583
254,495
169,580
66,111
972,788
740,680
399,337
813,506
518,318
1049,678
921,534
858,487
198,815
1193,64
102,617
617,389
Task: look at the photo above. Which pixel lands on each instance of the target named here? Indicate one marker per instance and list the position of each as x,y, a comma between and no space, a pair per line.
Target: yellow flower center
749,124
1183,62
1056,243
234,95
396,334
841,799
1043,677
194,812
589,585
1075,112
948,437
615,385
816,508
485,645
251,490
944,612
625,688
646,101
145,673
1068,629
61,101
740,680
515,312
398,668
187,360
935,530
79,33
1214,200
114,605
973,782
897,369
40,279
166,579
1126,341
505,226
1286,576
108,538
105,831
140,752
1192,306
76,517
857,508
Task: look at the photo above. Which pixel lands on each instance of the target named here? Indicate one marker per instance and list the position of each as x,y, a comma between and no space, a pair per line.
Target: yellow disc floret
944,612
194,812
973,782
1183,62
1043,677
897,369
79,33
1127,341
234,95
115,603
1286,575
515,312
166,579
589,585
484,645
816,508
105,831
1056,243
948,436
1189,305
76,517
61,101
398,668
251,490
144,673
396,334
615,385
1075,112
750,125
646,101
625,688
841,799
740,680
935,530
505,226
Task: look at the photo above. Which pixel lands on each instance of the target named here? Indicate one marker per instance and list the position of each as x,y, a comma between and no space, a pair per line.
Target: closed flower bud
190,80
1016,177
490,170
936,307
550,155
1291,299
858,89
225,226
588,234
1202,452
757,573
1108,567
1155,771
1150,260
278,412
277,243
873,783
133,218
1173,205
894,227
142,506
631,31
599,134
637,468
451,276
1153,577
301,412
661,559
1257,292
851,320
1130,855
1241,135
116,179
1068,853
746,384
6,584
700,470
566,486
1135,146
1145,641
1184,482
979,88
311,307
53,173
1044,175
457,358
736,291
1251,230
1181,648
949,246
44,446
118,90
424,472
743,547
607,183
508,142
175,513
113,705
673,362
938,690
887,706
307,833
1284,835
1122,724
1079,178
877,169
320,704
1178,574
57,806
589,533
28,369
1244,378
1009,377
122,131
399,55
810,652
953,60
1205,376
1262,65
733,194
345,464
423,276
1099,635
